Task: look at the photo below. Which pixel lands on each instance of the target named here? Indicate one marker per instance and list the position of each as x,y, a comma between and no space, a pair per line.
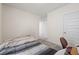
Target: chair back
63,42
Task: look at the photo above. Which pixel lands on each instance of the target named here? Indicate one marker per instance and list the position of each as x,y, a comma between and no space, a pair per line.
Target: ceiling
40,9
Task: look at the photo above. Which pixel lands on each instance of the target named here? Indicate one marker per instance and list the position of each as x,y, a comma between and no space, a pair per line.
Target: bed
28,45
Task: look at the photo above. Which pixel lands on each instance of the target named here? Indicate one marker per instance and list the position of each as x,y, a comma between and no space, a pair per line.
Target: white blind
71,26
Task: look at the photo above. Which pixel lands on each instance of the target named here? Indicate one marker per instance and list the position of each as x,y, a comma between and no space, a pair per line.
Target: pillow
19,41
3,45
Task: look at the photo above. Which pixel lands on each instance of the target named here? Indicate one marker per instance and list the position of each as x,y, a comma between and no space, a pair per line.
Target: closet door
71,26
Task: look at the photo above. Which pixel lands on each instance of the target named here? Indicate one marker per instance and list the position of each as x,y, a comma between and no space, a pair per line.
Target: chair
63,42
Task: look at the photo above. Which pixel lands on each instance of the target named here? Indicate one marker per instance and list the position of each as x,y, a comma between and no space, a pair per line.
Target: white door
43,29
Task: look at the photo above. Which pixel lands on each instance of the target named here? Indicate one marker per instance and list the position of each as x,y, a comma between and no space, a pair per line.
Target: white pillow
19,41
3,45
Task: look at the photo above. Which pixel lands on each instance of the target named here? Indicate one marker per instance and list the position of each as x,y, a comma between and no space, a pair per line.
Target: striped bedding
25,47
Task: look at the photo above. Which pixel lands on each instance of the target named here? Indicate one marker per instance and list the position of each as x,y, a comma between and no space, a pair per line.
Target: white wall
16,22
55,22
0,22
